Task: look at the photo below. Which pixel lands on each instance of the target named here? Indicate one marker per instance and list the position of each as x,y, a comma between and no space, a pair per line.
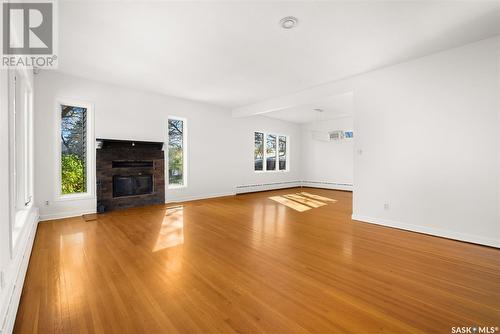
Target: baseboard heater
241,189
328,185
248,188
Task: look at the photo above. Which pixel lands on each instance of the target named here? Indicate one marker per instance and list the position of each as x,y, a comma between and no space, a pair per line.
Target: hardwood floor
250,264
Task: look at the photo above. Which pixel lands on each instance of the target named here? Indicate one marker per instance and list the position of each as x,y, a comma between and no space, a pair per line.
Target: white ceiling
333,107
233,54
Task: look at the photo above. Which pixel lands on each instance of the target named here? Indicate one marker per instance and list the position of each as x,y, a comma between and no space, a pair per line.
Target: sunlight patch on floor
318,197
305,200
302,201
291,204
171,233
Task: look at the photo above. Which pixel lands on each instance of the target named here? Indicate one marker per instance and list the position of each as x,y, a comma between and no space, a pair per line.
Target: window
259,151
75,156
21,142
271,152
282,152
176,152
73,150
275,154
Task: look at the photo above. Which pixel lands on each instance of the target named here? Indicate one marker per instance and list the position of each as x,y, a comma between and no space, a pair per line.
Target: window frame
19,88
263,152
90,163
185,169
278,162
287,152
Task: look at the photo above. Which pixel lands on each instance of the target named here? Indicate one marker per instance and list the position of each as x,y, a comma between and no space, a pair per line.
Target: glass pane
175,152
282,152
259,151
271,152
73,150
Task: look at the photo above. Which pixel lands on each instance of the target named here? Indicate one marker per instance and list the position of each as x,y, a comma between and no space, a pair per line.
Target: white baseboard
16,274
242,189
431,231
61,215
178,199
327,185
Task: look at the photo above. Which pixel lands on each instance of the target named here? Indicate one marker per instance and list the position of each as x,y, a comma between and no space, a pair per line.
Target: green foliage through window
73,174
73,150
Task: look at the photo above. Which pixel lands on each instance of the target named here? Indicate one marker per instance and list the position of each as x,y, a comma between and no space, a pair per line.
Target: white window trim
264,163
90,194
18,215
184,154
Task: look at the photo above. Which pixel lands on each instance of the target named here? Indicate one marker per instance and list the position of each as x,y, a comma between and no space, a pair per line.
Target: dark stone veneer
121,150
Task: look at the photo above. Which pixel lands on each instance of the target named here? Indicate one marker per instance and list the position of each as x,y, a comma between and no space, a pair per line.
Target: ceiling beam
302,97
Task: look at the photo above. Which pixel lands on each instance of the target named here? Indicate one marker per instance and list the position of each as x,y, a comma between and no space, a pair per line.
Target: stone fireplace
129,174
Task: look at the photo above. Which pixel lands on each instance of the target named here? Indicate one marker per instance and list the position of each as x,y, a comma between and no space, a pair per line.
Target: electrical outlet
387,206
47,203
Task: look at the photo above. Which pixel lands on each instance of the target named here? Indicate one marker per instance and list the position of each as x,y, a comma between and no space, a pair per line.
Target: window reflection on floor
268,220
302,201
171,233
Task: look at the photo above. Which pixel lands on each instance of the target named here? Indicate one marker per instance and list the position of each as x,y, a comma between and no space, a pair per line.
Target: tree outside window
176,152
73,150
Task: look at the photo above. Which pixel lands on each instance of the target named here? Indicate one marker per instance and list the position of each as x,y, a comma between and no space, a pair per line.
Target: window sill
174,187
270,171
74,197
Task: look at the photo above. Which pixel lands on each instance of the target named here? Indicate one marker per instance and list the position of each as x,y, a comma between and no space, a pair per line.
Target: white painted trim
16,274
62,215
19,84
91,163
195,198
430,231
328,185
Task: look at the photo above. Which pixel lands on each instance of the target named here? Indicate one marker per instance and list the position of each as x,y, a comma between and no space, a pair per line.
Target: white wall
327,164
429,131
220,148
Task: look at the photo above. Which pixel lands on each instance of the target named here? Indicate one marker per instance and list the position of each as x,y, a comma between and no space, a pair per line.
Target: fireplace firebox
132,185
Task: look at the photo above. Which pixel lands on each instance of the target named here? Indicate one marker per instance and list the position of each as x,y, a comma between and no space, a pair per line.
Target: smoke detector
289,22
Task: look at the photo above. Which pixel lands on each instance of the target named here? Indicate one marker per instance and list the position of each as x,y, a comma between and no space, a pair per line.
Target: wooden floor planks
248,264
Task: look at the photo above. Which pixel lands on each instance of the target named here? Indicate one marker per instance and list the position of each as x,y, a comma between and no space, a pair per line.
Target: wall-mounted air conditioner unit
328,135
336,135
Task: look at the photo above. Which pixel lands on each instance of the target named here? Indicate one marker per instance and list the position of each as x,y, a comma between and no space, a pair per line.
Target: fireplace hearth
129,174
